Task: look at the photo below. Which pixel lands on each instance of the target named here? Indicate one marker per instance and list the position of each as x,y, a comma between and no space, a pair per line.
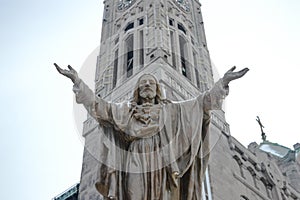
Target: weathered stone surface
163,33
241,173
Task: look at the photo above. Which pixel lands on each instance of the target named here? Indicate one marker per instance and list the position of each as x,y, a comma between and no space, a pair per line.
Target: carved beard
147,93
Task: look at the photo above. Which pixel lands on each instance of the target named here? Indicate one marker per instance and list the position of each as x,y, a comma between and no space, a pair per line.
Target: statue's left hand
230,75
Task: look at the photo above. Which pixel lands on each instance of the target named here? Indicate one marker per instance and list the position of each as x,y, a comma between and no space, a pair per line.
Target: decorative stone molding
220,123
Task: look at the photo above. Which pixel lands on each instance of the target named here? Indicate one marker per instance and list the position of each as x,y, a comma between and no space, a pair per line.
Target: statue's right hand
71,73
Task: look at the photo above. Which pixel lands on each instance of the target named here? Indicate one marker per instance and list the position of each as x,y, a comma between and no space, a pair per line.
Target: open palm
231,75
71,73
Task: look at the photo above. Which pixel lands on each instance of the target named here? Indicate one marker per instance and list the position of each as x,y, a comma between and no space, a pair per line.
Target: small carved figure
160,148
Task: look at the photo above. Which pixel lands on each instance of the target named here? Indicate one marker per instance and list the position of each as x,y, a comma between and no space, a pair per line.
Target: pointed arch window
173,49
129,26
181,27
183,57
129,55
115,72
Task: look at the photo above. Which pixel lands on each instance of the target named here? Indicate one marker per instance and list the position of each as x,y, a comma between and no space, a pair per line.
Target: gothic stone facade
257,172
167,38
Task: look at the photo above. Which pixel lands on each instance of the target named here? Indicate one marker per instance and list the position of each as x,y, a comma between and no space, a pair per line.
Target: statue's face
147,87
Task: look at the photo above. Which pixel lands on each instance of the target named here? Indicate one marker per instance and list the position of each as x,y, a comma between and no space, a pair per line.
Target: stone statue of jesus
159,149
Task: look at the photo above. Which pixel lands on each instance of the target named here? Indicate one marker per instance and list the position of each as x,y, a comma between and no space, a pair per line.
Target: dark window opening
173,50
180,27
183,66
115,73
183,58
141,48
129,63
171,22
197,78
129,56
129,26
141,21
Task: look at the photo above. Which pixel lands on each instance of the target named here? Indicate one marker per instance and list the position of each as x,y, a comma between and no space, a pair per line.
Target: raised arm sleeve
96,107
213,98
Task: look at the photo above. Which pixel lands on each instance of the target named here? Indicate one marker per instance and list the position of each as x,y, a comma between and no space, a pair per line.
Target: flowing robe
155,151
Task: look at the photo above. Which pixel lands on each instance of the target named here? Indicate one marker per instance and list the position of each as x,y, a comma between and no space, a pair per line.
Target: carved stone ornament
273,173
183,4
124,4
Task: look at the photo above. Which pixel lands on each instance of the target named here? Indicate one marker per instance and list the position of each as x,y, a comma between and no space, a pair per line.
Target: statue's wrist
225,83
76,81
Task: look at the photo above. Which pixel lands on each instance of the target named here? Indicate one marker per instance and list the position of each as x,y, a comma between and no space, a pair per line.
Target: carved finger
58,68
232,69
244,71
240,74
71,68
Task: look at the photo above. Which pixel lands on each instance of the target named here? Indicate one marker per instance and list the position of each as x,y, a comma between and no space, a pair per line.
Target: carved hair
136,93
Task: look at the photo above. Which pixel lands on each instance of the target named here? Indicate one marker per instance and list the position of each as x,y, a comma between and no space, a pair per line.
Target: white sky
40,148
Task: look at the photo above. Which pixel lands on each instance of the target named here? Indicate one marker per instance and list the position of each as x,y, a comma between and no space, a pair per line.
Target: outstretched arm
213,98
96,107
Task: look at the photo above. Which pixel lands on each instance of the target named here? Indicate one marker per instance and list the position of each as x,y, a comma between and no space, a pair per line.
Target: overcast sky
41,149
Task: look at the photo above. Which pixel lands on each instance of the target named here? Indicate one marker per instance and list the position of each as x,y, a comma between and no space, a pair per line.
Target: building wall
237,172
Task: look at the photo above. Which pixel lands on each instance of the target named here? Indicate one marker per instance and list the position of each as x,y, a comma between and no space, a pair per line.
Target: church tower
162,37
